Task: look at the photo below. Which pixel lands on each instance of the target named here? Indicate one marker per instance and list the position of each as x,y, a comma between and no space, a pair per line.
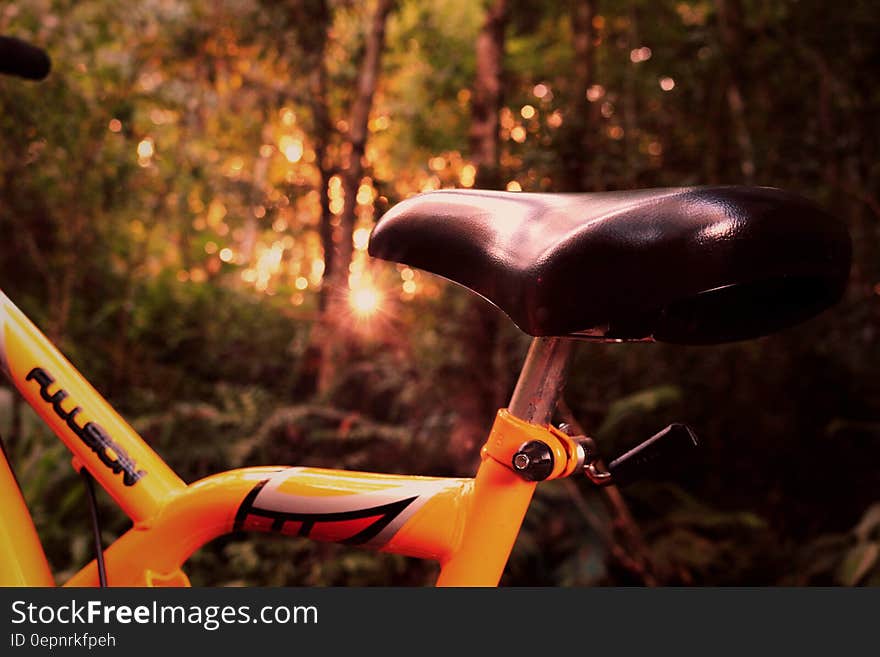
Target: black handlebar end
20,58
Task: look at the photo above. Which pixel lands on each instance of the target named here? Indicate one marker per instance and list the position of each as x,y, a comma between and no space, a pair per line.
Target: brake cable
96,526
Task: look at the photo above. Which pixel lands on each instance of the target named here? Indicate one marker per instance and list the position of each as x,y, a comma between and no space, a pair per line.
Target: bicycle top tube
100,439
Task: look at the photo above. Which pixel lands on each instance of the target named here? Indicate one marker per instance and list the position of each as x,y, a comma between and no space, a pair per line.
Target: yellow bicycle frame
467,524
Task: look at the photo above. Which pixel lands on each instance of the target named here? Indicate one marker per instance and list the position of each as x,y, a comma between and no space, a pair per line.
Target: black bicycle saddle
691,265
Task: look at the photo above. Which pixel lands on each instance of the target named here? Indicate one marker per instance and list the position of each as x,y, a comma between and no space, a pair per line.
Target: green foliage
845,559
198,335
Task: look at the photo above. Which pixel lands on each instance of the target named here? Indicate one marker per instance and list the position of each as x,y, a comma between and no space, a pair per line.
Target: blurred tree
733,43
335,337
577,143
481,386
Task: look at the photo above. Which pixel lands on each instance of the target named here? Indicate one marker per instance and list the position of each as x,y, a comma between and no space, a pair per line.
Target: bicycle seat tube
500,496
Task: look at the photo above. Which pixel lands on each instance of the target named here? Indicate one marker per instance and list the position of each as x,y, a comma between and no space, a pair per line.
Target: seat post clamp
534,452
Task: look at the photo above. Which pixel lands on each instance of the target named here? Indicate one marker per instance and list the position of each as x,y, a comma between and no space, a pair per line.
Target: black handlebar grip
662,452
20,58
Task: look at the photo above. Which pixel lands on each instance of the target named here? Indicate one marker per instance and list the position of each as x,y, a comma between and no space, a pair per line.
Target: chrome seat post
541,380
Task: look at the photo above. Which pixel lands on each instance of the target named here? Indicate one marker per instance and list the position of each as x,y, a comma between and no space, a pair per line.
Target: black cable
96,526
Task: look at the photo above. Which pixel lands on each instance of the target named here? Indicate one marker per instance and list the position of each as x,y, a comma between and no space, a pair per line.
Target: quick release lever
663,452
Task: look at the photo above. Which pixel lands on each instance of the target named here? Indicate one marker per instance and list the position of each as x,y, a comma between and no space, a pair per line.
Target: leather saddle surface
692,265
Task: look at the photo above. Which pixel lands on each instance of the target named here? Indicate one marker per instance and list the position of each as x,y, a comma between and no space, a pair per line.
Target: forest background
186,201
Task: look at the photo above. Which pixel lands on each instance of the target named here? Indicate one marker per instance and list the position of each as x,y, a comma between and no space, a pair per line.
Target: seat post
541,380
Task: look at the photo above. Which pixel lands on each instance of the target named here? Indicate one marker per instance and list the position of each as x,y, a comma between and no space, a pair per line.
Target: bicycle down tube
468,525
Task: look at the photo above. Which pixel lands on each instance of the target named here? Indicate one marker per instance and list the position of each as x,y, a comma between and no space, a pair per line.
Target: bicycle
696,265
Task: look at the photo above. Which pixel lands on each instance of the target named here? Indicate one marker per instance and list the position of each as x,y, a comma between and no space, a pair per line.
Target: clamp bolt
533,461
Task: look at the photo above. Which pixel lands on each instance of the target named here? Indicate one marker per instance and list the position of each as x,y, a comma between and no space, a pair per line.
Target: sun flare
365,300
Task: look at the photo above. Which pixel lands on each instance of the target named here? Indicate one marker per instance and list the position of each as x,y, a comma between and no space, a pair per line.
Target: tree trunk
630,105
486,97
731,31
353,169
475,401
713,152
622,536
334,338
577,140
321,131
